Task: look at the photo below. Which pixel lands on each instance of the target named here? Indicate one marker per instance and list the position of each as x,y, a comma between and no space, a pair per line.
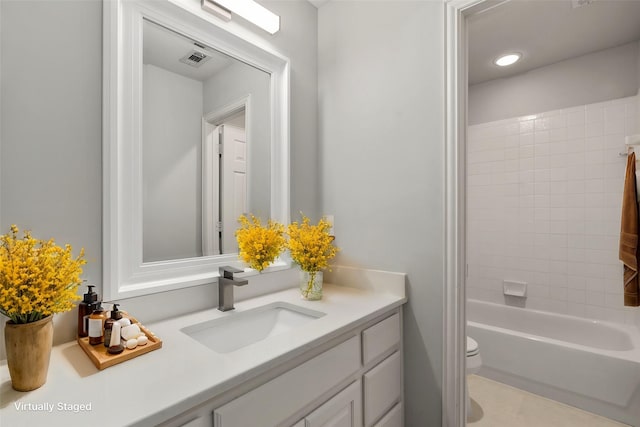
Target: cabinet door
393,418
342,410
382,388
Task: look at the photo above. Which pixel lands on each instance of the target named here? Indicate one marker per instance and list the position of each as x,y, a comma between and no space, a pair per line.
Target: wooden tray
103,359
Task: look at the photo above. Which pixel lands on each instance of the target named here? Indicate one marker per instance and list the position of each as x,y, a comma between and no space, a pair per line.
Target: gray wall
51,131
600,76
51,142
381,88
171,165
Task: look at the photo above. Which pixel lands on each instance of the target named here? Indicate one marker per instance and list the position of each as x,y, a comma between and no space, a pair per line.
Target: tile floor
498,405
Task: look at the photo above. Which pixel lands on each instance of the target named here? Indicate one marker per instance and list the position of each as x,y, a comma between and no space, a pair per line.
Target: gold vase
311,285
28,351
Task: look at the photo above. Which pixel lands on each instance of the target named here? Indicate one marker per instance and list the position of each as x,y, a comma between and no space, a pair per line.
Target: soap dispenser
85,308
108,324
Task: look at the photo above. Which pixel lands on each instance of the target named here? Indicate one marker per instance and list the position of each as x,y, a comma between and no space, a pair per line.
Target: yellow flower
259,245
37,278
311,246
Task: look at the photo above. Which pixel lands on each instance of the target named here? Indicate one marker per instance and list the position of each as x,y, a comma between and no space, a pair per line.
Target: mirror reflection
206,146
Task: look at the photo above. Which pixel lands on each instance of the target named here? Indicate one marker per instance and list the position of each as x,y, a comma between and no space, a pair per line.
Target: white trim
218,115
454,333
111,38
125,275
210,188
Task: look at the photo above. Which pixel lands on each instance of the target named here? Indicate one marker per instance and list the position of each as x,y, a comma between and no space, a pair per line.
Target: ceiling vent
195,58
579,3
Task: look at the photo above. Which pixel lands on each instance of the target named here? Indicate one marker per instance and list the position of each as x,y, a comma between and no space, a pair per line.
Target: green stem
312,278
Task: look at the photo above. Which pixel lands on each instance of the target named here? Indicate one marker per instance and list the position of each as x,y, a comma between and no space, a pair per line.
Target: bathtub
588,364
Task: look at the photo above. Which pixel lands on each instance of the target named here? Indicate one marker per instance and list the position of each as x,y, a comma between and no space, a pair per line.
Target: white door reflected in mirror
225,158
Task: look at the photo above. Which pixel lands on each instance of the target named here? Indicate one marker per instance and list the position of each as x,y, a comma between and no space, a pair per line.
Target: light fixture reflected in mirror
247,9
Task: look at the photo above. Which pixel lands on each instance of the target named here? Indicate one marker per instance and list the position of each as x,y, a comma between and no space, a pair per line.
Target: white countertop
183,373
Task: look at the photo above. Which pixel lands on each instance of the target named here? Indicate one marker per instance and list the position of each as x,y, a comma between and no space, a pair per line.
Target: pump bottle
108,324
85,308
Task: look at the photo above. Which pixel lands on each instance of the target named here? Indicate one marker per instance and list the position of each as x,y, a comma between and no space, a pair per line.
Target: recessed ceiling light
508,59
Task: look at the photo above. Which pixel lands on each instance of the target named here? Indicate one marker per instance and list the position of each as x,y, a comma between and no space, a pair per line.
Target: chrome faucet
226,282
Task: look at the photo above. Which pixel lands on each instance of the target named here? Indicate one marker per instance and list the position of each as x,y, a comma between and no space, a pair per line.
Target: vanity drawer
382,388
273,402
380,338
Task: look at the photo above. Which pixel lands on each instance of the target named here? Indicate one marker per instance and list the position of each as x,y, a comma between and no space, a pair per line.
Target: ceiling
318,3
164,48
545,32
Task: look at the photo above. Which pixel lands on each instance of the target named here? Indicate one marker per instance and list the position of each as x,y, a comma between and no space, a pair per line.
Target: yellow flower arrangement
311,247
258,245
37,278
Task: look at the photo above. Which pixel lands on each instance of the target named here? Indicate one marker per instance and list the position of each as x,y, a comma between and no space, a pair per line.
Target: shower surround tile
543,206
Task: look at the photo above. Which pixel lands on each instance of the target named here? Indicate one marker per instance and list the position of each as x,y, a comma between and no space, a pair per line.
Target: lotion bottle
85,308
96,322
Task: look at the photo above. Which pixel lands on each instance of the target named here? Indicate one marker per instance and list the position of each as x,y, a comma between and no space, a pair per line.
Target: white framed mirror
196,132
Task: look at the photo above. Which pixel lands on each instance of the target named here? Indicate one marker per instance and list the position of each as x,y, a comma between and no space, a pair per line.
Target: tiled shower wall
544,199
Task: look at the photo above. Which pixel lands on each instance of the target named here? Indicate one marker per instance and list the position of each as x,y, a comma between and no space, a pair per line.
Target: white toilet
474,362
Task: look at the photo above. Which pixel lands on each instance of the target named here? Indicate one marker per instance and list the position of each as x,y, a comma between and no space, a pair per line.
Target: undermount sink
240,329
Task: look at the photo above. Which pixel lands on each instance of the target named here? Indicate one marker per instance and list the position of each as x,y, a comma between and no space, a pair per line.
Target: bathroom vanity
344,366
355,378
